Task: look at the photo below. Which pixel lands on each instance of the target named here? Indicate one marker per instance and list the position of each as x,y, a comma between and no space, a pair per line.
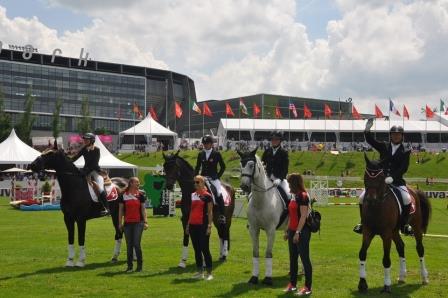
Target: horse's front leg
399,245
366,240
81,224
113,206
186,238
270,235
70,225
254,235
387,242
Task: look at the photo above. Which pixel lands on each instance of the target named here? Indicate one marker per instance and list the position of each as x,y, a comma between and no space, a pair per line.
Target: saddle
285,200
213,192
397,194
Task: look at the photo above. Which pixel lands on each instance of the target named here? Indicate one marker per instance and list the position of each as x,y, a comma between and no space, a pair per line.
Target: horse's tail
425,208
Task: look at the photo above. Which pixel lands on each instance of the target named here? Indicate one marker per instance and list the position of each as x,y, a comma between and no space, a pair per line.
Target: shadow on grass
61,269
241,288
398,290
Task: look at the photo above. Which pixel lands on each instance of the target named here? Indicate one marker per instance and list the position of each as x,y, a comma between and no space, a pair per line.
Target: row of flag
307,114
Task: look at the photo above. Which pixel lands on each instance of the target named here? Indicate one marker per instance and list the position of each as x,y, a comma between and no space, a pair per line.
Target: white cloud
378,49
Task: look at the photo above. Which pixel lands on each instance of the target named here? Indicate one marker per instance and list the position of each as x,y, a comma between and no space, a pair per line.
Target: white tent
107,159
14,151
149,127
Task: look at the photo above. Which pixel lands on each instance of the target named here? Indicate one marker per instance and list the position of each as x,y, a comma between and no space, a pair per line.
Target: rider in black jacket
276,161
91,168
395,161
207,166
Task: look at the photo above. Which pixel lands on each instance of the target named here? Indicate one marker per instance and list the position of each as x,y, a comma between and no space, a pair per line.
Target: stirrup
222,219
358,229
407,230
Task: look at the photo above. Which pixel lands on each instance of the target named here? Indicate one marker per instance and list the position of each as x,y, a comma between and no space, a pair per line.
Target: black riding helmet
89,136
396,128
277,135
207,139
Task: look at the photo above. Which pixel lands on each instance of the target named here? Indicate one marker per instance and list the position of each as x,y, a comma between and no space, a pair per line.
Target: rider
276,161
207,162
91,169
395,160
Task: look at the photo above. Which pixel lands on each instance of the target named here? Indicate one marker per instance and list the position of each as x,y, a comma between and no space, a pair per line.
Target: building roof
14,151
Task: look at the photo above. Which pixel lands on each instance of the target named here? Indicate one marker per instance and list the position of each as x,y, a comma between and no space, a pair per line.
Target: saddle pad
92,193
111,192
400,202
412,210
226,196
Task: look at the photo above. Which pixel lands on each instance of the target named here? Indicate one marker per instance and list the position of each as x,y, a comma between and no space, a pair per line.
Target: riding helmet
396,128
89,136
277,135
207,139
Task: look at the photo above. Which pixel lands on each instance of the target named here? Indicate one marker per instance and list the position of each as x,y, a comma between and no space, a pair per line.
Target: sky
369,51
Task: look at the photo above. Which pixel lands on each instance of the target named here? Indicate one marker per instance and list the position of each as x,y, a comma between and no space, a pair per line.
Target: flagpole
189,111
289,121
239,122
119,126
203,129
133,117
440,124
390,100
339,122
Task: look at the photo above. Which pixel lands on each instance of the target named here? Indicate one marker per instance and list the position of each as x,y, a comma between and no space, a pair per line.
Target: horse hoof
386,289
80,264
182,264
267,281
223,258
362,285
69,263
253,280
425,281
114,260
401,280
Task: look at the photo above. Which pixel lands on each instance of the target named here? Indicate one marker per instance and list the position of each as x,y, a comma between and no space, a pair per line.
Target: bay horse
264,211
76,202
381,216
178,169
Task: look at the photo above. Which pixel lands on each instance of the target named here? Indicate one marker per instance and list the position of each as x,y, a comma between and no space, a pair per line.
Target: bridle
252,175
373,174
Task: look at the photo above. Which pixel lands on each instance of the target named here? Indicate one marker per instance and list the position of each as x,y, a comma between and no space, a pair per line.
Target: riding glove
277,182
389,180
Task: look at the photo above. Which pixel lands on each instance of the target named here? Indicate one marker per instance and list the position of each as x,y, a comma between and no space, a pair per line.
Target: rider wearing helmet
276,161
207,164
395,161
91,168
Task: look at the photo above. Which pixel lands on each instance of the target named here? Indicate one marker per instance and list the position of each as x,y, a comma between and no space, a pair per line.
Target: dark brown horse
178,169
380,216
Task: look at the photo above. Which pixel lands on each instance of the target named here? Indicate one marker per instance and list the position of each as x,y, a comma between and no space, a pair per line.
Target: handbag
313,220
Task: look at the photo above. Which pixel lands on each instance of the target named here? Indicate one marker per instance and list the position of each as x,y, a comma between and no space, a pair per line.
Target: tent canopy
107,159
14,151
149,126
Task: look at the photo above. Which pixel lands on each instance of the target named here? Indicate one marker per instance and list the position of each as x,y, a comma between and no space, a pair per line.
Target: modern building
112,90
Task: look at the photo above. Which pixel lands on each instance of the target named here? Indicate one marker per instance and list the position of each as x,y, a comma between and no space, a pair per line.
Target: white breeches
404,194
217,184
283,184
98,179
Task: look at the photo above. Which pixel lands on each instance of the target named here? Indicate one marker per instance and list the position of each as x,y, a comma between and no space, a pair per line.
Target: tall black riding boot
221,214
358,227
406,229
102,198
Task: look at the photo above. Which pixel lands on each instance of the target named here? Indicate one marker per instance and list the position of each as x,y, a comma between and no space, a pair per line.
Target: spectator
132,209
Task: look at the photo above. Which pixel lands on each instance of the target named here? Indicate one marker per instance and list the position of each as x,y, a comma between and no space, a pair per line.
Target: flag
405,112
355,113
137,111
243,108
306,112
229,111
292,108
429,112
196,108
327,111
206,110
256,110
153,113
135,108
443,108
378,113
177,109
278,113
393,109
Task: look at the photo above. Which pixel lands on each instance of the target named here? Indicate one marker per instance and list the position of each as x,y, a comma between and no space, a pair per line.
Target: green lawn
33,252
321,163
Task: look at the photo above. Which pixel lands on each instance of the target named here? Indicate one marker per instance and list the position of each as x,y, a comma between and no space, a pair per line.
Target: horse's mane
260,165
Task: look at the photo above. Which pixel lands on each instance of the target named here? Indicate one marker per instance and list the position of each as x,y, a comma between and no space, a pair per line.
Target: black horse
178,169
76,202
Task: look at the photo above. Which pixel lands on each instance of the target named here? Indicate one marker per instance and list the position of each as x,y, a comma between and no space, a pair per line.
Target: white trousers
98,179
217,184
283,184
404,194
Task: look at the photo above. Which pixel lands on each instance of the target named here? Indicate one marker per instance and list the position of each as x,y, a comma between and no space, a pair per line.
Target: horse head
171,168
374,180
51,158
248,169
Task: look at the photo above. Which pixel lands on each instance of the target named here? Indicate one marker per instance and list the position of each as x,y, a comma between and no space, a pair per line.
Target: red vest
198,211
132,208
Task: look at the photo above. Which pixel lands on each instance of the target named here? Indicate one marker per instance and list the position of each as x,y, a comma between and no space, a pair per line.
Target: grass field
33,252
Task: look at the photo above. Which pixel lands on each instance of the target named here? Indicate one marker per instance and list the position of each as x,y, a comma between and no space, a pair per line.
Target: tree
56,122
5,119
85,123
102,131
25,124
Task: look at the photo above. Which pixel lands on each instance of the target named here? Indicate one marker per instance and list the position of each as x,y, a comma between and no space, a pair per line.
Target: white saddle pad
92,193
226,196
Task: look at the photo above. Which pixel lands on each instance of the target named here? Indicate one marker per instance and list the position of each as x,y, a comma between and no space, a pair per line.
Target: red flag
378,113
355,113
429,112
327,111
153,113
306,112
178,109
229,111
256,110
405,112
206,110
278,113
136,110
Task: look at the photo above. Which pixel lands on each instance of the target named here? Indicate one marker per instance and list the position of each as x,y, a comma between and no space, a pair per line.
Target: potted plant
46,188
